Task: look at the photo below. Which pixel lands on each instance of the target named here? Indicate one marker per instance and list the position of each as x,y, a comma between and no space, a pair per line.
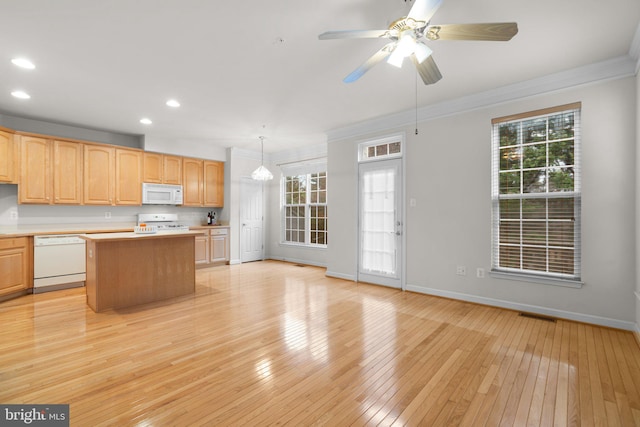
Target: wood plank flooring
271,343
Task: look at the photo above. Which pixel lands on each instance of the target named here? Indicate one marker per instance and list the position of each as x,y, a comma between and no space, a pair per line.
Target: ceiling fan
408,35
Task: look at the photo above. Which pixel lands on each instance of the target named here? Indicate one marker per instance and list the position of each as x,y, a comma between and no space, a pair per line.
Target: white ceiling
237,66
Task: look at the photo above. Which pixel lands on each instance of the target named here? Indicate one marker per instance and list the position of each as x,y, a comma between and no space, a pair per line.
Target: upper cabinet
162,169
67,172
172,167
192,182
8,158
35,170
99,174
213,184
128,177
52,171
203,183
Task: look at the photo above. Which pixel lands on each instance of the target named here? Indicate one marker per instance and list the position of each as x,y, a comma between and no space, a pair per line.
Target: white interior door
251,220
380,223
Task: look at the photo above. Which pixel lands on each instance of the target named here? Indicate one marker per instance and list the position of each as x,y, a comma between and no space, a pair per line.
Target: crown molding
616,68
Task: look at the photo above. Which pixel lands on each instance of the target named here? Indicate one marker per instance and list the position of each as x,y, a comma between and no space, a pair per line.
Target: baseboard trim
299,261
235,261
561,314
340,275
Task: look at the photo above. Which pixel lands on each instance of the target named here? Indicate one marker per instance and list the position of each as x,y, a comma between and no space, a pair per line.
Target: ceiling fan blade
423,10
373,60
428,70
354,34
497,31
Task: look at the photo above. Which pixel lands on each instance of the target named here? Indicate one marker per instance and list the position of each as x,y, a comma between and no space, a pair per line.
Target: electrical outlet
480,272
461,270
107,215
13,215
412,202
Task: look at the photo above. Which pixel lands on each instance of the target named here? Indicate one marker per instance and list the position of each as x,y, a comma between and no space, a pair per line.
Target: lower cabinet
15,265
212,247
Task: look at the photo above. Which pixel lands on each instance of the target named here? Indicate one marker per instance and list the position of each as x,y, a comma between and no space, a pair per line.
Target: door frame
403,241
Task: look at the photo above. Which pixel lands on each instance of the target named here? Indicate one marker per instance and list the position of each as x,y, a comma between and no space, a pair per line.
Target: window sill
554,281
302,245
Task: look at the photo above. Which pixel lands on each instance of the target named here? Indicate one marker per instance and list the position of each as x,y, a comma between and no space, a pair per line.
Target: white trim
235,262
545,280
350,277
616,68
634,50
299,261
568,315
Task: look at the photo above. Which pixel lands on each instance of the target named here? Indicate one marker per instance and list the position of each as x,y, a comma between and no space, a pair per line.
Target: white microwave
161,194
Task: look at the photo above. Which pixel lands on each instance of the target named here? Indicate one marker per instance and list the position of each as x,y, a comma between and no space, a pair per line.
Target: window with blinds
536,193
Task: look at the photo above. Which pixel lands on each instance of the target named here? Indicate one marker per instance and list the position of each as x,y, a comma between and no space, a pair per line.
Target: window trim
544,277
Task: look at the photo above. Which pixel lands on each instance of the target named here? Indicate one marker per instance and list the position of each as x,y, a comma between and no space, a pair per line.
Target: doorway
380,222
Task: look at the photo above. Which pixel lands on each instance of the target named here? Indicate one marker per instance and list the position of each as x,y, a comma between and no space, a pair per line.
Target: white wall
448,172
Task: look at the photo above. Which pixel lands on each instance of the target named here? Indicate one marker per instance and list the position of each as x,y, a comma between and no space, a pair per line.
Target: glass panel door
380,225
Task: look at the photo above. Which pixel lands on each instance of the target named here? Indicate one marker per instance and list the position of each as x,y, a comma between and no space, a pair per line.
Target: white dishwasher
59,262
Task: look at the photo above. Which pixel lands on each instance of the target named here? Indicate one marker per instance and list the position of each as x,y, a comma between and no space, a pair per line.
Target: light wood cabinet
98,174
162,169
212,247
219,245
172,169
35,170
128,188
213,184
202,249
67,172
152,168
192,186
15,264
8,158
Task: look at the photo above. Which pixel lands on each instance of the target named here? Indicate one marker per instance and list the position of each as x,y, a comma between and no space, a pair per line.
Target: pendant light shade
262,173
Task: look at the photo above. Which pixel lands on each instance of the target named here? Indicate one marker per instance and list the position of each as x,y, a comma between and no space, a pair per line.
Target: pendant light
262,173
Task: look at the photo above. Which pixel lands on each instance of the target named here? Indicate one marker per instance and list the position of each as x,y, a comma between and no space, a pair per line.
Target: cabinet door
219,245
152,168
192,182
7,157
128,177
35,172
98,174
213,184
14,264
172,170
67,172
202,248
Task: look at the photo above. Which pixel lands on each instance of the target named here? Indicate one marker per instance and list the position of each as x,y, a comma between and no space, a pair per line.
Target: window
384,148
536,193
305,209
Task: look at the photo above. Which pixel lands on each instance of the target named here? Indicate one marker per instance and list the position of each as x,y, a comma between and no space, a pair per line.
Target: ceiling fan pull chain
416,102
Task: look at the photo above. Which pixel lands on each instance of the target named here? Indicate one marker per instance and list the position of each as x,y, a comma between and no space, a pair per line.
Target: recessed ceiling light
23,63
173,103
20,94
145,121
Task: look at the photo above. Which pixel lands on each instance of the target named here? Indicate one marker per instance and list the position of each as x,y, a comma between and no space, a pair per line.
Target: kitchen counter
42,229
129,269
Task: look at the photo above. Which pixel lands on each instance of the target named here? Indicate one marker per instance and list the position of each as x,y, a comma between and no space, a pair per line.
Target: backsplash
11,213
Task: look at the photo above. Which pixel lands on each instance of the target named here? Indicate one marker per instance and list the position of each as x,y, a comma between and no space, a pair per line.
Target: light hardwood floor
274,343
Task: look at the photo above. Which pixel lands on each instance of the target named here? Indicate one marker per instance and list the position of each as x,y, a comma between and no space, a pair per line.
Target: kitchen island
129,269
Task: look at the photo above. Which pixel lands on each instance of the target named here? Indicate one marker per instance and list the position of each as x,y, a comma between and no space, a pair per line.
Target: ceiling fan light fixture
405,47
422,52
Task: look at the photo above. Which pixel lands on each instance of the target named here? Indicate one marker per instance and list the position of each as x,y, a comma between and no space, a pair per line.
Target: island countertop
102,237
